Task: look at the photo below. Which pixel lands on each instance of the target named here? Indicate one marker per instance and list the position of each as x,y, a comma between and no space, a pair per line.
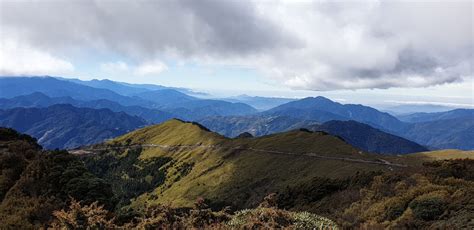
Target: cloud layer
20,59
307,45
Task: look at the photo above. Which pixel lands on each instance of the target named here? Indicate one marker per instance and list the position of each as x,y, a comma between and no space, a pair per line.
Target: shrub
78,216
306,220
272,218
427,207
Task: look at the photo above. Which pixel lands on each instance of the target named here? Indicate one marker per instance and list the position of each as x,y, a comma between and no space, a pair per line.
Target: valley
176,163
220,162
252,115
364,127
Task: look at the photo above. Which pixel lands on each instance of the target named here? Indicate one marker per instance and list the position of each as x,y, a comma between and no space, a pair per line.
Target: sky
370,52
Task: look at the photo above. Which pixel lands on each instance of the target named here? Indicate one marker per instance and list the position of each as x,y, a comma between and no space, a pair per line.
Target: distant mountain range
127,89
424,117
357,134
322,109
166,100
260,103
165,97
456,133
41,100
155,104
257,125
406,109
18,86
439,133
369,139
65,126
451,129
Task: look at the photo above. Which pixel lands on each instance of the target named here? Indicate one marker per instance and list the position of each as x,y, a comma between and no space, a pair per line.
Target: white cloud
154,67
371,45
19,59
315,45
114,67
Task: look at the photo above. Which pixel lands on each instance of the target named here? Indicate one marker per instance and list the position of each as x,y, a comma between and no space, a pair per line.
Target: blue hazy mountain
66,126
198,109
17,86
128,88
322,109
166,100
256,125
260,103
357,134
368,138
113,86
35,99
424,117
456,133
452,129
165,97
415,108
41,100
192,108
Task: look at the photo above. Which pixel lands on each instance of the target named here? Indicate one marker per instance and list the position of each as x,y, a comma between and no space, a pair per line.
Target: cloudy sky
374,52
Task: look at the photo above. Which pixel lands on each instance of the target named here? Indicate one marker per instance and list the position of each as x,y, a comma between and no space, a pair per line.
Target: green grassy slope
237,172
176,162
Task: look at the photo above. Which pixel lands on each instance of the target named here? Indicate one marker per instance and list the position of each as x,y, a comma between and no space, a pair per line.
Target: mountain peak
321,99
318,99
318,102
173,132
193,123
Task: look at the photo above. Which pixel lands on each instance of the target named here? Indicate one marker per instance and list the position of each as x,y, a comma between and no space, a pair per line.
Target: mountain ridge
425,117
355,112
358,134
66,126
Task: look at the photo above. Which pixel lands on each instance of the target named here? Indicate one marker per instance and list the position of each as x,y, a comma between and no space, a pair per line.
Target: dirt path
379,162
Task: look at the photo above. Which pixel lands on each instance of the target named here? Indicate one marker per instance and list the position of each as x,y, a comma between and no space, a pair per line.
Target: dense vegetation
129,176
35,183
125,184
438,196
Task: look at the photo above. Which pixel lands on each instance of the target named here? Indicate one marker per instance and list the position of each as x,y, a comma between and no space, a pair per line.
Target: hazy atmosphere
236,114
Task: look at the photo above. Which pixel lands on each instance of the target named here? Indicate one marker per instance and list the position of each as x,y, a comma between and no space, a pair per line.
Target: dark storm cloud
145,28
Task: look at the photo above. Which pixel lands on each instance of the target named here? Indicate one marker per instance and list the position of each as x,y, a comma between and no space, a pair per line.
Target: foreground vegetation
78,216
123,185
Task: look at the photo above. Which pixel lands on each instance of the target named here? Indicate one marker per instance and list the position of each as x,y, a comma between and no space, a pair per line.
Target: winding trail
168,147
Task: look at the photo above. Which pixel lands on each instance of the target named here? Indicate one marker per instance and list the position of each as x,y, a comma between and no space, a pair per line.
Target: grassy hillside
357,134
180,175
53,190
177,162
237,172
446,154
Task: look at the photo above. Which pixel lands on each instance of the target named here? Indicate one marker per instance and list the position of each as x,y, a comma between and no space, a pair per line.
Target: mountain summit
322,109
